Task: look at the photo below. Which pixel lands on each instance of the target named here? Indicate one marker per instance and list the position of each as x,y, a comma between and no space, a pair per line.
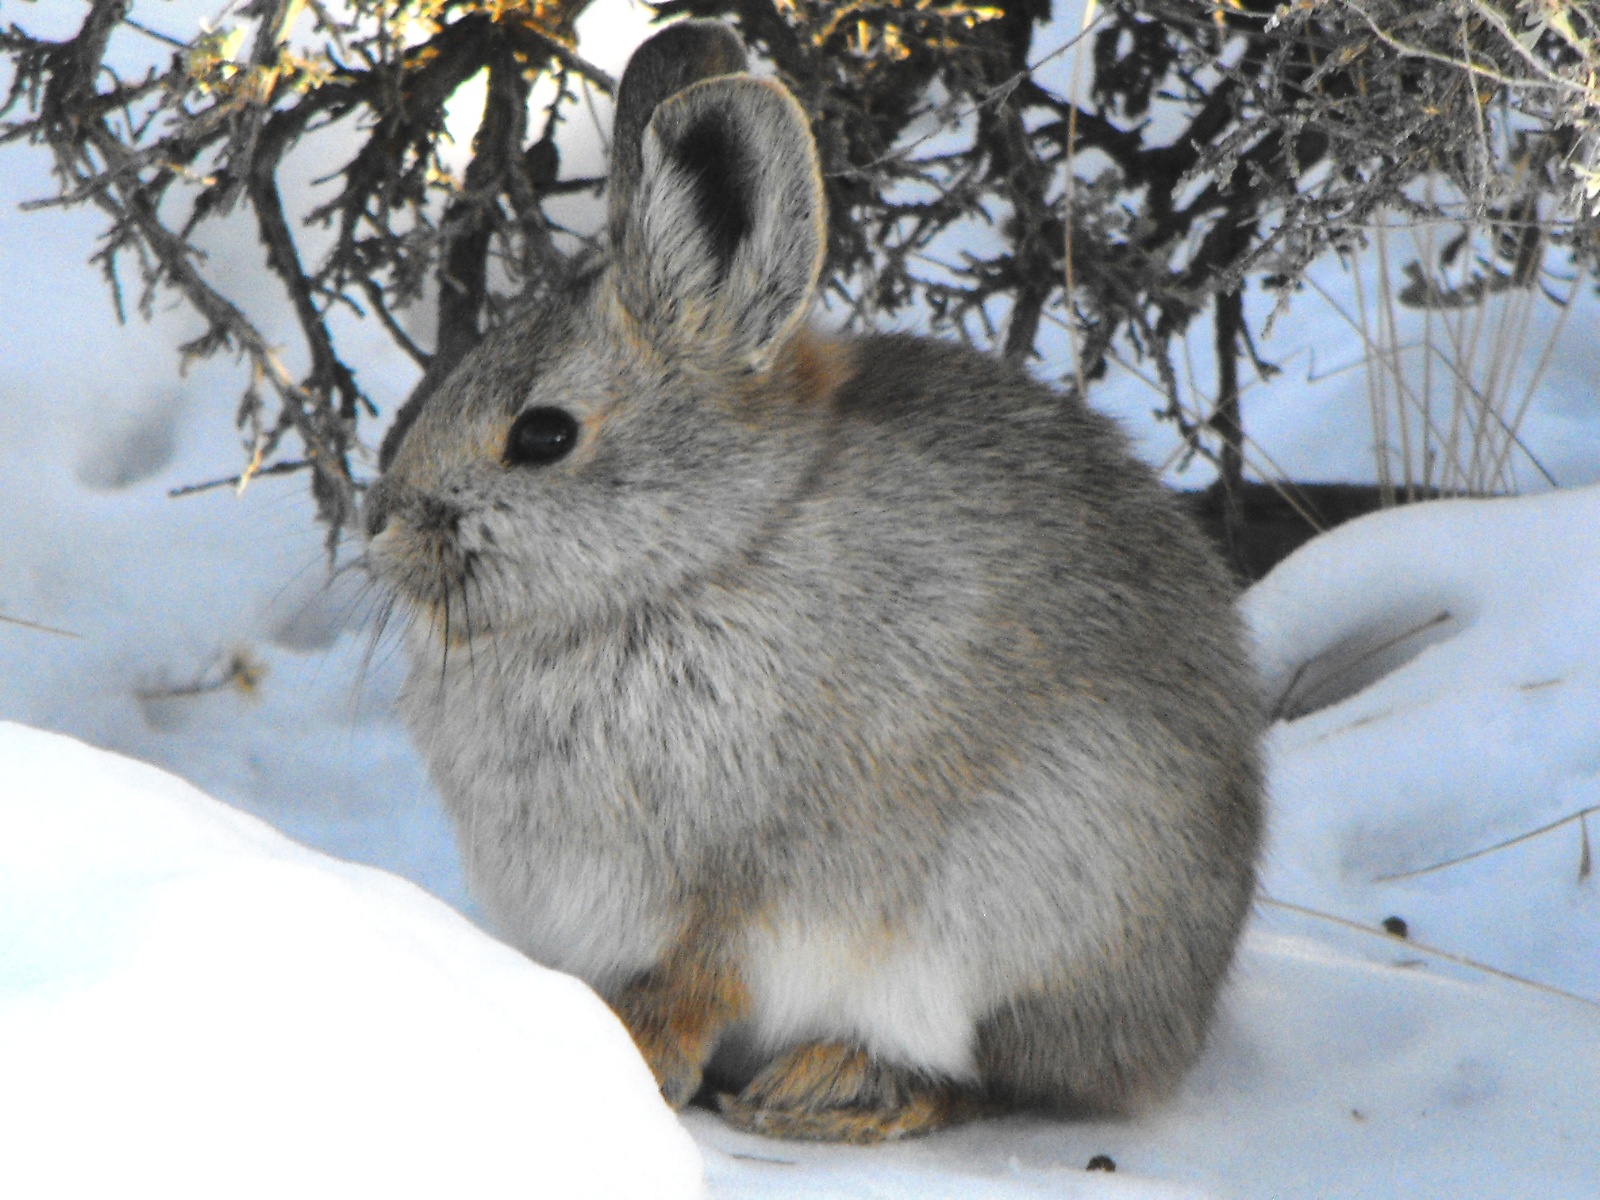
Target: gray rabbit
857,717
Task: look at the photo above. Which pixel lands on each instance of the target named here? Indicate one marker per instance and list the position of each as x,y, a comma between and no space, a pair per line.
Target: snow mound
1439,759
191,1005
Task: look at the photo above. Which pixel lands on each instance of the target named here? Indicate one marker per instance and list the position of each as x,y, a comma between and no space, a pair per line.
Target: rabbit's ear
723,243
670,61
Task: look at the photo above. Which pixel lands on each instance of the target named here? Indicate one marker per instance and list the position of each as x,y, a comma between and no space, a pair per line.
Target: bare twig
1459,960
961,182
1580,818
37,627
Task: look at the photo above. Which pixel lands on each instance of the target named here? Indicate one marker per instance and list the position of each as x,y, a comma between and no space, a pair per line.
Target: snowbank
1440,666
190,1005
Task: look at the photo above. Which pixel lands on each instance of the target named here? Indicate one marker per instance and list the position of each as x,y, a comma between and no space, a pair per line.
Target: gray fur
912,697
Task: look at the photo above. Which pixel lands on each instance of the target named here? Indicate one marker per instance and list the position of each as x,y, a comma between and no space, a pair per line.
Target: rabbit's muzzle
413,543
429,516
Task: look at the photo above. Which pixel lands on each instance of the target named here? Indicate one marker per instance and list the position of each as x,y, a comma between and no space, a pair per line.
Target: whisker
380,625
466,614
355,605
444,656
487,616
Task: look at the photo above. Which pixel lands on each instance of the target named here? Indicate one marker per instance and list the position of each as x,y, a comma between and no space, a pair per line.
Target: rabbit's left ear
722,242
661,67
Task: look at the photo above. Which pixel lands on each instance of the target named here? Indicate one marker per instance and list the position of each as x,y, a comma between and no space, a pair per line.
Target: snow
191,1002
1332,1073
1485,730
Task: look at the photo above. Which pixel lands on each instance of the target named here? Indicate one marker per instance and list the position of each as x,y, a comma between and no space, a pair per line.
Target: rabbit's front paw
675,1015
833,1092
676,1072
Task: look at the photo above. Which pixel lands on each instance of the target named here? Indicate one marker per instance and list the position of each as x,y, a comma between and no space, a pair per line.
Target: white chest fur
905,1002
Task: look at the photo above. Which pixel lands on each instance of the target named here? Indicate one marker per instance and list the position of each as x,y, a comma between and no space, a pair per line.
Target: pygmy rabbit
858,717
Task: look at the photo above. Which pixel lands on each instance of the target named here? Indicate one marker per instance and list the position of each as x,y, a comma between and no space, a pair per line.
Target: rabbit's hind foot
834,1092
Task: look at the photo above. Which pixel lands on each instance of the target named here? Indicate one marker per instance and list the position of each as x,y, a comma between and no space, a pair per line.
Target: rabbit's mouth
433,581
456,610
454,616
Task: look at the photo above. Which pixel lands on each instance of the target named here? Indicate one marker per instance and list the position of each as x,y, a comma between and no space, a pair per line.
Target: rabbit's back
975,535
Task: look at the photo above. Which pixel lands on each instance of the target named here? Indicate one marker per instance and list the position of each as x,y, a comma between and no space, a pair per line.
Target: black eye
541,436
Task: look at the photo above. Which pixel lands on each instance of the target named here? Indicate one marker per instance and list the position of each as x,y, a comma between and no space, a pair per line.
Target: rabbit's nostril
375,516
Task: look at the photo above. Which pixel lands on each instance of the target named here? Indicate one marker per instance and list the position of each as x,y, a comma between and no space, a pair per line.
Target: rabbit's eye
540,436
